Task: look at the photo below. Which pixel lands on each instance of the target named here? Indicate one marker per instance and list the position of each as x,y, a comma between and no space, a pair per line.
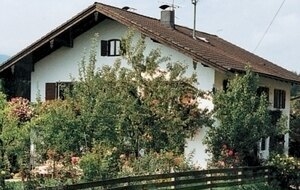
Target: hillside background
3,58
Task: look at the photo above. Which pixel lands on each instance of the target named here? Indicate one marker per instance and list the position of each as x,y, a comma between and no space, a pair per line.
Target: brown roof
216,53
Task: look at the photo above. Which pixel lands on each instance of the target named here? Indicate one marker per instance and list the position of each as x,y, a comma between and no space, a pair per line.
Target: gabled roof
206,48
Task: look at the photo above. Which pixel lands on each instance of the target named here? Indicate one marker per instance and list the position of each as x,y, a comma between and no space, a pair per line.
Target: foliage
14,135
13,186
294,144
139,106
154,163
20,108
100,163
295,129
55,128
258,186
242,120
286,170
143,109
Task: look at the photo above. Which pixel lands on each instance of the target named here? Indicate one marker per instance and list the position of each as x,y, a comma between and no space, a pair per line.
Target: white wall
195,149
63,63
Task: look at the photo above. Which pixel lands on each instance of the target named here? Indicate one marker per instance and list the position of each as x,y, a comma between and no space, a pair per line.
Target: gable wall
63,63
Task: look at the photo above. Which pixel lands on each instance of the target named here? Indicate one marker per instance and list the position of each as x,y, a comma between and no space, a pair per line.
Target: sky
241,22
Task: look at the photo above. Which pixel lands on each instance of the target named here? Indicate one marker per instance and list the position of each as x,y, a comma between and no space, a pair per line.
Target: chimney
167,17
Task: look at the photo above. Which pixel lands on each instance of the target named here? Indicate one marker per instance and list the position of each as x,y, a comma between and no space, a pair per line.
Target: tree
2,149
144,109
56,128
243,120
14,135
147,104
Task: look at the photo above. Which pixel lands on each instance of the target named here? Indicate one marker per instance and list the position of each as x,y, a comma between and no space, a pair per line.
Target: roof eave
45,39
291,81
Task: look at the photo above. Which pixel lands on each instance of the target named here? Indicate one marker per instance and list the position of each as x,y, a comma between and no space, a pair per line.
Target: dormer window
111,47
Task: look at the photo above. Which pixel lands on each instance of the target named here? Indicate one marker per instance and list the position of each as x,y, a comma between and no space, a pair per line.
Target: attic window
202,39
110,47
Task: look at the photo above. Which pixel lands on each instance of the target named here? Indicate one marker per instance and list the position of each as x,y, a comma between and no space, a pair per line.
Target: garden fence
203,179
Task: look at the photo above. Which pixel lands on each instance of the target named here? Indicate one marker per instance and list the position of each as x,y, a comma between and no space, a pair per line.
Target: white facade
63,63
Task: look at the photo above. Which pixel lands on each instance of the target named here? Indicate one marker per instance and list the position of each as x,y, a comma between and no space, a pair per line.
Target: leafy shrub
100,163
21,108
258,186
286,170
154,163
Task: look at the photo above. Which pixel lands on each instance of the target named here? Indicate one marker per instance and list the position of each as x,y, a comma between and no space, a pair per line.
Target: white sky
241,22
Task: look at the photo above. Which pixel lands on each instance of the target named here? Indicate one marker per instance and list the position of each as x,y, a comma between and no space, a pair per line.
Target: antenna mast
194,2
173,5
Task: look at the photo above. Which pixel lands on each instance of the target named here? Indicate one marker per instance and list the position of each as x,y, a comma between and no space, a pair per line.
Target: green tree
142,102
56,128
138,106
2,149
14,135
243,119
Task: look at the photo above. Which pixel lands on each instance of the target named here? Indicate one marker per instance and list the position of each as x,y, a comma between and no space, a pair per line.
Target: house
51,60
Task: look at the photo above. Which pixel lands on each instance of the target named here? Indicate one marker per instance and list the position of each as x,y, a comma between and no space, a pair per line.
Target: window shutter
50,93
104,48
122,48
225,85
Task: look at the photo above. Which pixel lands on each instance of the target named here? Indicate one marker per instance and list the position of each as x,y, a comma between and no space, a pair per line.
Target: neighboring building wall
271,84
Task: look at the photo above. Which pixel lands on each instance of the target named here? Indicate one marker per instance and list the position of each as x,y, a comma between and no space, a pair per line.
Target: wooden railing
204,179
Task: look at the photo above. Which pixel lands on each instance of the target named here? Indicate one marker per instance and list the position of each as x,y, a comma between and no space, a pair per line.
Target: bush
259,186
286,170
100,163
154,163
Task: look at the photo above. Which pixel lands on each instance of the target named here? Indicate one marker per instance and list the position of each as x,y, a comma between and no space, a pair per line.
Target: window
225,85
262,90
276,142
57,90
279,99
263,144
111,47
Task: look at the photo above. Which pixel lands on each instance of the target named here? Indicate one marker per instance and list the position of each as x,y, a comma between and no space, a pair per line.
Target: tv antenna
170,5
194,2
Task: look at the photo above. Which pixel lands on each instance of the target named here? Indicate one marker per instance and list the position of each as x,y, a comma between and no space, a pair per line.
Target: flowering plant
286,170
20,108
